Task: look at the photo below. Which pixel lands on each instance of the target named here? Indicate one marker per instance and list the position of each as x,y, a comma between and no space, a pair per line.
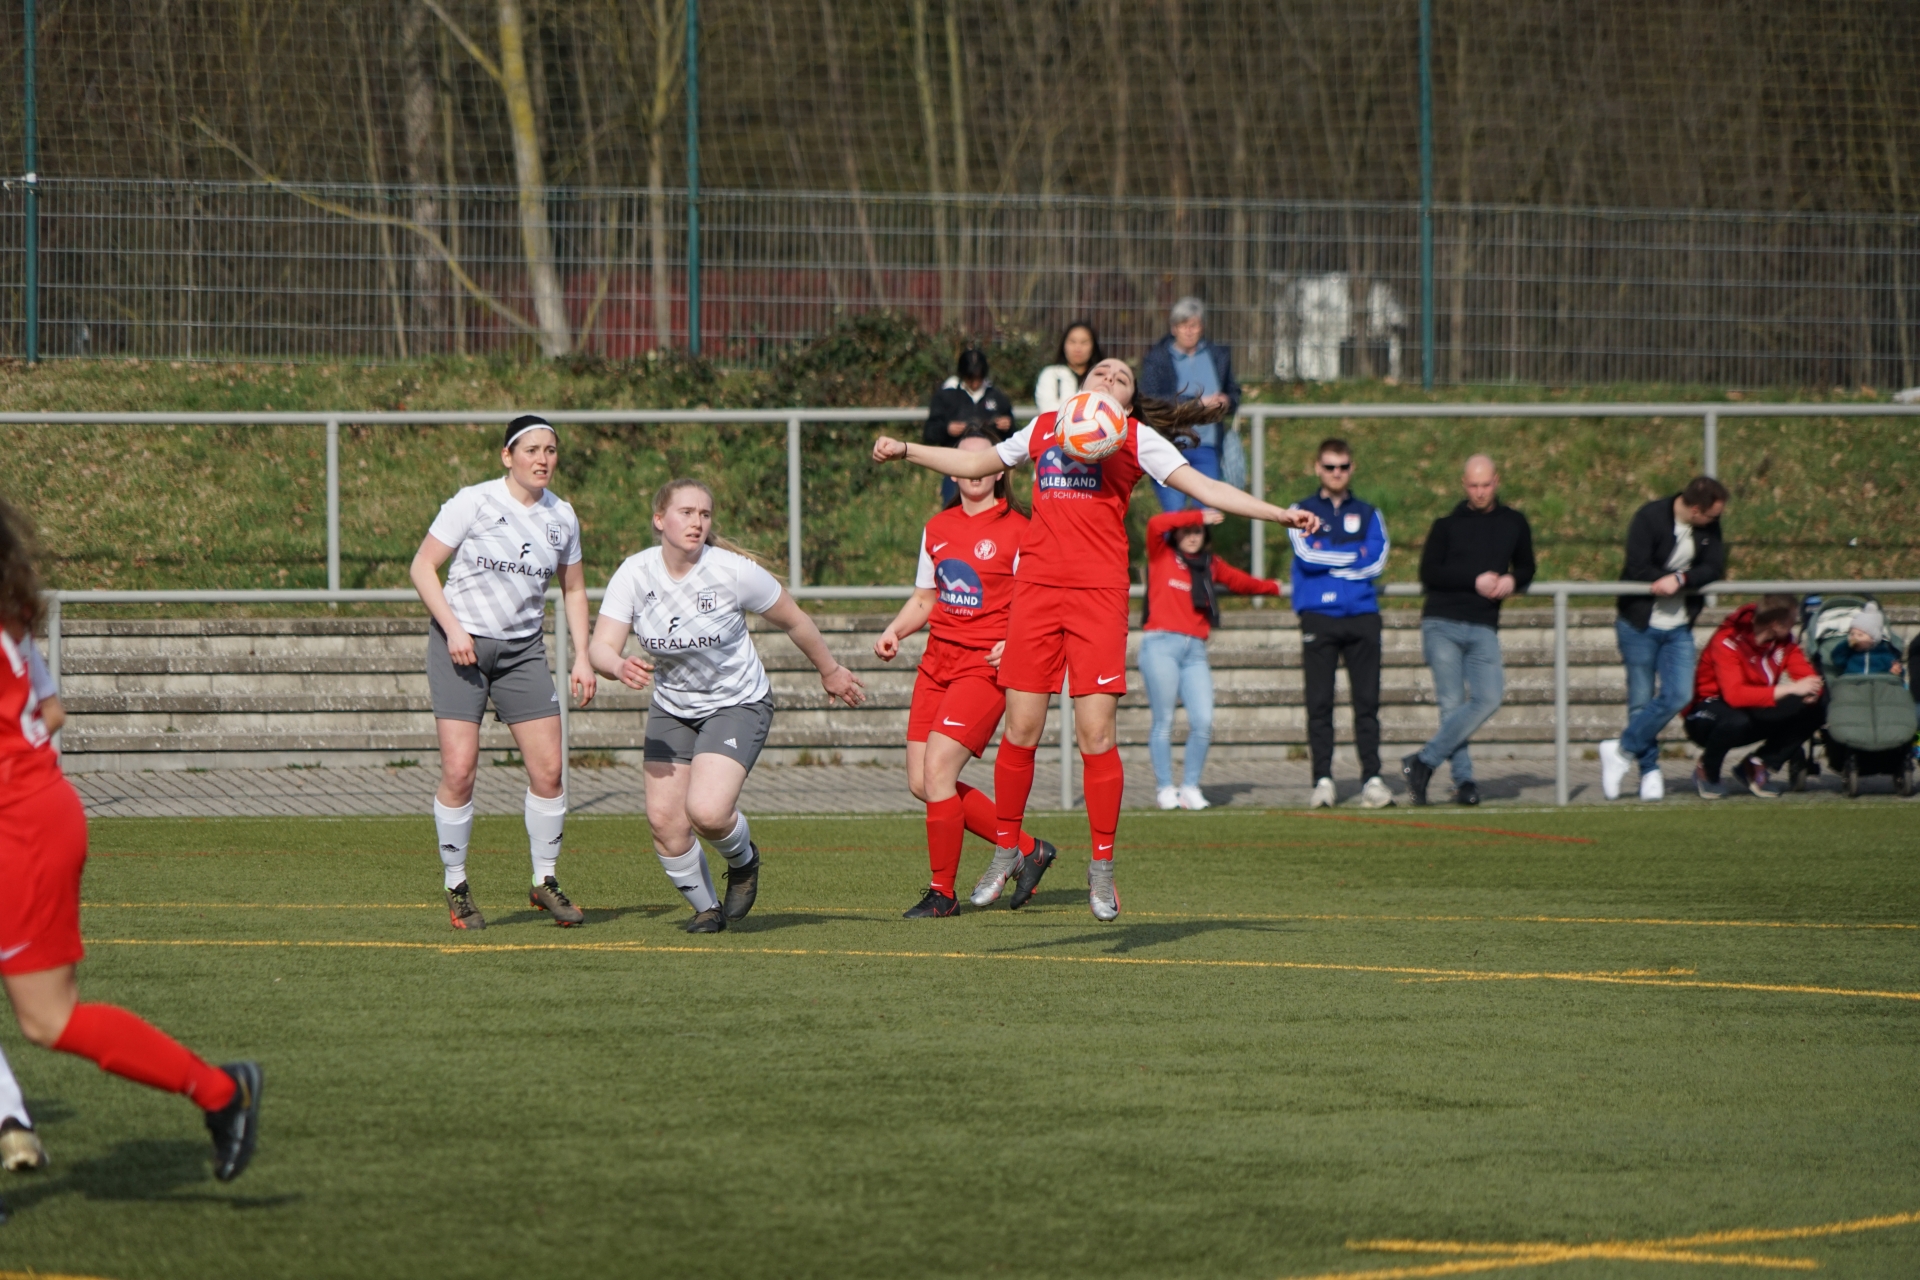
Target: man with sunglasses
1333,576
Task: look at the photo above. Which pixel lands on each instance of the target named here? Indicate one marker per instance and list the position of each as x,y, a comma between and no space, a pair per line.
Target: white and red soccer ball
1091,426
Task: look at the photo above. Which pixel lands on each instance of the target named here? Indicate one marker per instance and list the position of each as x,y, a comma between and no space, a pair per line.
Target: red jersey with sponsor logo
28,761
1078,536
967,562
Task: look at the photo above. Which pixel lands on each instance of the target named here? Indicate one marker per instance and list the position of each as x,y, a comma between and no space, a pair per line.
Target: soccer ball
1091,426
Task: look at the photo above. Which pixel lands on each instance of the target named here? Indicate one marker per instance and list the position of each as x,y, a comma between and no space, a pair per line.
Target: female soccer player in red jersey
43,848
964,586
1070,602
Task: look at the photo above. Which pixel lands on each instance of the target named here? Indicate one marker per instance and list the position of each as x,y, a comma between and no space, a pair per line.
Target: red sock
982,819
123,1043
1012,782
1105,781
946,828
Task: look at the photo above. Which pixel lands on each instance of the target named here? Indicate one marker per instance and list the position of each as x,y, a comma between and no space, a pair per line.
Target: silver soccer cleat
1005,865
20,1148
1103,898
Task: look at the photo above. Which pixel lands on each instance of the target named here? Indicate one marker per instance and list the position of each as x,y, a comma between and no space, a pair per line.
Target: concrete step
174,693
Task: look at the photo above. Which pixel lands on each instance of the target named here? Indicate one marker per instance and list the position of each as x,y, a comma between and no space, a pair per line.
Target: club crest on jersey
707,601
556,536
1351,522
985,549
960,589
1066,477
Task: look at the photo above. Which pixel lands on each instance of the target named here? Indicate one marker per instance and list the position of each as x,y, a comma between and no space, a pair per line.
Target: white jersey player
509,539
686,602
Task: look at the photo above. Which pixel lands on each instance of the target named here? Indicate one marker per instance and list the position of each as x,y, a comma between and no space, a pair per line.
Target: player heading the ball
1069,613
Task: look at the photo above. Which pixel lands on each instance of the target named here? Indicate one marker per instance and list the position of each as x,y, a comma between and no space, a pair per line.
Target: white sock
546,823
688,872
737,845
455,828
12,1105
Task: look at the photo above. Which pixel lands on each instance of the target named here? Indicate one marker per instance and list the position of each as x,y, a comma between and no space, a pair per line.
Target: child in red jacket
1753,684
1184,578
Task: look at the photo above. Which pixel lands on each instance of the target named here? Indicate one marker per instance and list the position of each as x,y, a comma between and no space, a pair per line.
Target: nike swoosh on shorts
11,952
960,724
1106,679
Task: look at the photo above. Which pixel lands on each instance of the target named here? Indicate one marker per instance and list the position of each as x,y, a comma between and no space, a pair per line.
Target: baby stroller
1870,718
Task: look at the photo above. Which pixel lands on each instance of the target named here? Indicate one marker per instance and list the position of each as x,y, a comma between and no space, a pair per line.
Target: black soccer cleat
1467,793
236,1126
1032,867
460,908
1418,774
935,906
712,920
546,896
743,886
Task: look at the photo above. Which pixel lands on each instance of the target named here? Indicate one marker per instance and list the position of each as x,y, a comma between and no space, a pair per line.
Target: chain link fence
1315,291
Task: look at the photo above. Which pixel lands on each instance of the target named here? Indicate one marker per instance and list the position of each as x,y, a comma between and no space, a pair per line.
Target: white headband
531,426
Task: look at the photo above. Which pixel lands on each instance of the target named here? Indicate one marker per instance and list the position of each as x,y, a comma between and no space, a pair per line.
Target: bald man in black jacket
1476,556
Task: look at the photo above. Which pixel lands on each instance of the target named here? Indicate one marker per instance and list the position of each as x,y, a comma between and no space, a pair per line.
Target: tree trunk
667,56
417,54
536,235
456,297
962,182
389,269
930,125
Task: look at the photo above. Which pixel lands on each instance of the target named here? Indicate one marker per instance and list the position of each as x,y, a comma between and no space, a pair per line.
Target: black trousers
1780,729
1324,641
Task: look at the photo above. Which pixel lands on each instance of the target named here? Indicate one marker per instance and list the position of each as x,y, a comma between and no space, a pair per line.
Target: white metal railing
796,419
1560,592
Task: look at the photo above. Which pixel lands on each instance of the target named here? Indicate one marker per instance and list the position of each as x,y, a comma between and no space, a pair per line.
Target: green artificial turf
829,1091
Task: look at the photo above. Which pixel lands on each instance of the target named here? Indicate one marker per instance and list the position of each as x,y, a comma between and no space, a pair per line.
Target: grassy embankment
245,507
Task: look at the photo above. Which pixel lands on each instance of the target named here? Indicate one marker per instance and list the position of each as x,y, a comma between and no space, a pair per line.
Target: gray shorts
737,733
514,673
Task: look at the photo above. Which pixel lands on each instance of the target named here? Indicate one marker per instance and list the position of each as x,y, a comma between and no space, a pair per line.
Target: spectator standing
1184,579
1333,576
1674,543
1753,684
964,400
1476,556
1184,365
1059,381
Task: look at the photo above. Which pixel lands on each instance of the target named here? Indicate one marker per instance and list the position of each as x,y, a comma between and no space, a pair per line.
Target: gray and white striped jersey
695,630
504,556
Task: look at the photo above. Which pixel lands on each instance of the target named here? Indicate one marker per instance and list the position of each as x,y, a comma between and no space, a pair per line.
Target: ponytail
1176,419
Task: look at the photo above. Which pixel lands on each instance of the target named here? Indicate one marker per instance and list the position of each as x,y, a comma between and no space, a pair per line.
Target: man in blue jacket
1185,366
1333,576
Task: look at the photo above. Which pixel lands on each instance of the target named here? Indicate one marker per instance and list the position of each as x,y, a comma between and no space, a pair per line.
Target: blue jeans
1203,458
1176,671
1468,682
1667,655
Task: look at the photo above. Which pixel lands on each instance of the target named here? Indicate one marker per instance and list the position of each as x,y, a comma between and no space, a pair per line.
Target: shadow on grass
768,921
142,1169
1120,939
594,915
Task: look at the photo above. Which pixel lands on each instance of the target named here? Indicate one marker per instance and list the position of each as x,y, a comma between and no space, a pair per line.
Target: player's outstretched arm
609,638
913,615
839,682
969,464
1224,497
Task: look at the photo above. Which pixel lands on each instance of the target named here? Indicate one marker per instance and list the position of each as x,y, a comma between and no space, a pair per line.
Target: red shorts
43,848
1078,630
966,708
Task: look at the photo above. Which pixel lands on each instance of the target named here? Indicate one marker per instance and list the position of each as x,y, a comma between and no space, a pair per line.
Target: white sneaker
1613,768
1653,786
1168,797
1323,795
1375,794
1190,798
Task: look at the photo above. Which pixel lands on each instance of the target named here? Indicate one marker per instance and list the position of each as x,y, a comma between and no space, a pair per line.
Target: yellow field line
1471,1257
1152,915
1624,977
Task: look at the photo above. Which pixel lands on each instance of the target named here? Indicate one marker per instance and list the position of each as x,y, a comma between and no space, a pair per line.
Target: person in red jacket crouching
1184,579
1753,684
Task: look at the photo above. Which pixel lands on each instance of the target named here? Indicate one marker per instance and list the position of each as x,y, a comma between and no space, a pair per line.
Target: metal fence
1318,291
795,420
